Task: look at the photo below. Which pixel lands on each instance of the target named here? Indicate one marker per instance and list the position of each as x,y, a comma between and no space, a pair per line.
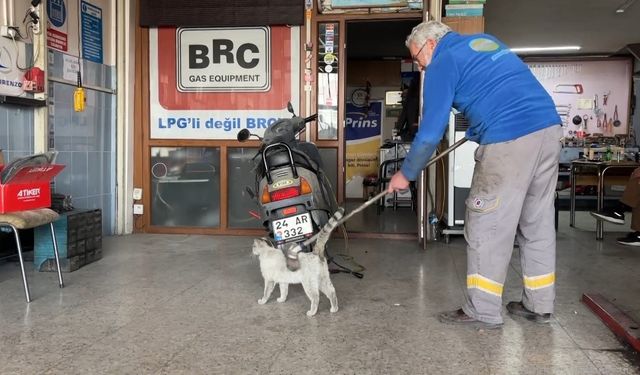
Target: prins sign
210,83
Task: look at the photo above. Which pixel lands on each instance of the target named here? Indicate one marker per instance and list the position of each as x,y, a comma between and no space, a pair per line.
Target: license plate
292,227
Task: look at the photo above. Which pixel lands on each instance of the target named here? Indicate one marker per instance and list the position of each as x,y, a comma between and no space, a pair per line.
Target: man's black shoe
460,318
517,308
632,239
611,216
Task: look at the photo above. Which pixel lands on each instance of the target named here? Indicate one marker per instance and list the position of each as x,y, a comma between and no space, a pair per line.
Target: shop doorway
379,71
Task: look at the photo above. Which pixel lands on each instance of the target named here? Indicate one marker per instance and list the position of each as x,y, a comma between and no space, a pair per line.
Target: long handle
383,193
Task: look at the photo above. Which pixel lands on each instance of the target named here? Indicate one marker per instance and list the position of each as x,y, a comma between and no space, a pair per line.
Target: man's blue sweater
480,77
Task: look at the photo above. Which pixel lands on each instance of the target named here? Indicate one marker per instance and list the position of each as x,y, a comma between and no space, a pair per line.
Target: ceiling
378,39
592,24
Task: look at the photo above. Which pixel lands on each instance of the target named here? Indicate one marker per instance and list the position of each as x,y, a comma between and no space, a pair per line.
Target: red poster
276,97
56,39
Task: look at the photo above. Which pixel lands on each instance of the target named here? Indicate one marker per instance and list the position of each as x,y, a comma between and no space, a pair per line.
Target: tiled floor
370,220
172,304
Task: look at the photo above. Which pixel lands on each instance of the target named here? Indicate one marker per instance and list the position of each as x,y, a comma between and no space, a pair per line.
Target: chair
27,220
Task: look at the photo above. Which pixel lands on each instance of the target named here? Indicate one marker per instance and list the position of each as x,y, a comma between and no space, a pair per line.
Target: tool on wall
596,109
577,120
605,98
563,111
616,121
564,88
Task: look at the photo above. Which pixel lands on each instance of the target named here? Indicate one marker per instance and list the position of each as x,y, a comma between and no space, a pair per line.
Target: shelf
25,102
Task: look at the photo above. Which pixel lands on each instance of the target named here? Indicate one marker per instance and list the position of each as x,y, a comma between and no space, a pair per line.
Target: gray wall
16,131
85,140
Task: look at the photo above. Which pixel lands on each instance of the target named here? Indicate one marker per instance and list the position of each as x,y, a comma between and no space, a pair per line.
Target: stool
27,220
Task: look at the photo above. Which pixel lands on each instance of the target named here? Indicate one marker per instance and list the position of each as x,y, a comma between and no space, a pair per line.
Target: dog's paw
262,301
333,309
281,299
311,313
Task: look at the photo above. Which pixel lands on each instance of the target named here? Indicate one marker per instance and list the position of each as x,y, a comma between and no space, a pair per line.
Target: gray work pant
512,197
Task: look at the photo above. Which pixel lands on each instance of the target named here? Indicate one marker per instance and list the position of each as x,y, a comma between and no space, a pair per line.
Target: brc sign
208,83
224,59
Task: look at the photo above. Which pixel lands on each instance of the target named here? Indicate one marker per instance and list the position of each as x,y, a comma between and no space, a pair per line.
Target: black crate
79,237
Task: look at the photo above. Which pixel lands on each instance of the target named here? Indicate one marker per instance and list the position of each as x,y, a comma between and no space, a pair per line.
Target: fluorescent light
623,7
546,49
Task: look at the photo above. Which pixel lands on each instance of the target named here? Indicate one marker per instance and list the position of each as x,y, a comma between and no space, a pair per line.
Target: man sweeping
514,121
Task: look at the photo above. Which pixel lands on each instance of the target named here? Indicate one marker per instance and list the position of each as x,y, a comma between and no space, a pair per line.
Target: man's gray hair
427,30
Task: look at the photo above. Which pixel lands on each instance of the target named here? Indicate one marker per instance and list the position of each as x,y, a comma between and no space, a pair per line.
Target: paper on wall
70,66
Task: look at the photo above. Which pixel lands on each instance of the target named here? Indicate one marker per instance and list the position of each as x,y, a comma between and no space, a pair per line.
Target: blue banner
363,122
91,32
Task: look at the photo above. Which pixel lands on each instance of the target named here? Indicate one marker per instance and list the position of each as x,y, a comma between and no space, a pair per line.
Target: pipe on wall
7,13
125,63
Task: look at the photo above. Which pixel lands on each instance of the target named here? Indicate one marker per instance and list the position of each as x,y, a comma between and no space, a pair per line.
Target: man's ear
431,44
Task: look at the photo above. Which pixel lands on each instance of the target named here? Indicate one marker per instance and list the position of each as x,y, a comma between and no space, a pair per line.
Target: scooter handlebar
310,118
302,124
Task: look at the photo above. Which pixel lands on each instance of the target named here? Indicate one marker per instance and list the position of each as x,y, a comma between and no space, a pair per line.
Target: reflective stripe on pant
512,193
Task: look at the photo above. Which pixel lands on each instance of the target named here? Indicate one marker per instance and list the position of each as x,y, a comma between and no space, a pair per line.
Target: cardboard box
28,187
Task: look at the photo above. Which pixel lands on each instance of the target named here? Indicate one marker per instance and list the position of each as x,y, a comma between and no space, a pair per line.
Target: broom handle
384,192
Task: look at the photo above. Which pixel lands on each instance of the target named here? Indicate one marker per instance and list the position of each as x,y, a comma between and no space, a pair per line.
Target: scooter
293,193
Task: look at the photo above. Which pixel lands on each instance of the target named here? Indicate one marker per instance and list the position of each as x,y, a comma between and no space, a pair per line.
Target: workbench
598,173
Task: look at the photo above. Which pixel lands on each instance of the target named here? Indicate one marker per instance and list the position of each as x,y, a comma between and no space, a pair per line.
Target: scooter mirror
290,108
243,135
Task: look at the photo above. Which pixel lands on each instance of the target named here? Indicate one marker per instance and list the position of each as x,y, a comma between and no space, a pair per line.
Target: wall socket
7,32
138,209
137,194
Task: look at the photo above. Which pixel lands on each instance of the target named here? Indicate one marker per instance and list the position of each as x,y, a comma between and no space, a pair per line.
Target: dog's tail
325,232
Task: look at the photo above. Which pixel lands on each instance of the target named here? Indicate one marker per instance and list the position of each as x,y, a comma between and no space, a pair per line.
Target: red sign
56,39
276,97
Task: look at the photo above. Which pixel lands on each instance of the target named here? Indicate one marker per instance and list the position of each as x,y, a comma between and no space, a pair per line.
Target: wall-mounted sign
224,59
10,75
91,19
57,14
70,68
210,83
